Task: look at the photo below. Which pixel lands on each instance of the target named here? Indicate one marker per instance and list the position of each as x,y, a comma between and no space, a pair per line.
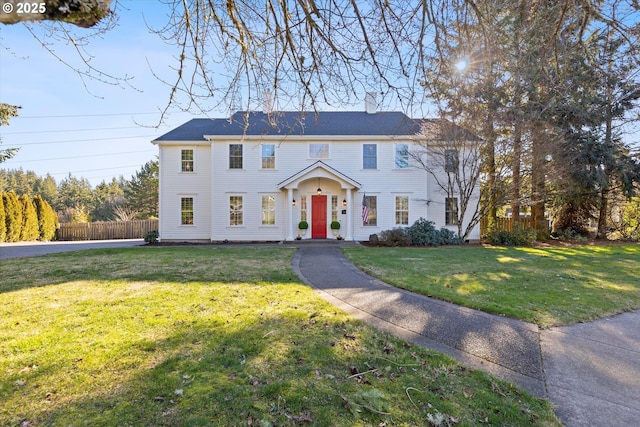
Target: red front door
318,217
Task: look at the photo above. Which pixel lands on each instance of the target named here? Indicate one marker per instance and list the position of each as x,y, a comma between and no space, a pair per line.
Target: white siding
211,191
175,184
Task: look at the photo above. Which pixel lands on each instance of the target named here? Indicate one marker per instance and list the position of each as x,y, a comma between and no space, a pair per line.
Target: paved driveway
29,249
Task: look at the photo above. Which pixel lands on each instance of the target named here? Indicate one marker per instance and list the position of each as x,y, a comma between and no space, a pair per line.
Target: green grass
188,336
549,286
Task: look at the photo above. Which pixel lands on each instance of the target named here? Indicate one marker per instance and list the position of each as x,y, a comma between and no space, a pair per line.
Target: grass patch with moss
549,286
188,336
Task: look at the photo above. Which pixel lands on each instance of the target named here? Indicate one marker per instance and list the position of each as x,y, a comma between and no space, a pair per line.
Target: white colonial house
257,176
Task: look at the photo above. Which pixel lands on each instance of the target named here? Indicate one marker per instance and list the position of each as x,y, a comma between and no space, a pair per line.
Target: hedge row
25,219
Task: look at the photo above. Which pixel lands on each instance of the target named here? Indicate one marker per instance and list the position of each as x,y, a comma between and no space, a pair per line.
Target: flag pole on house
365,210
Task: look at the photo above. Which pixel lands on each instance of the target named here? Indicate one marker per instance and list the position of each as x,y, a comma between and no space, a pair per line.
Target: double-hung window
235,210
186,159
369,156
402,210
186,211
370,211
268,210
268,156
450,160
451,211
235,156
402,156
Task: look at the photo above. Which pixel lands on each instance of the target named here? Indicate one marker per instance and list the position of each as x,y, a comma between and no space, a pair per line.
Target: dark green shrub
335,225
518,237
303,225
13,216
394,237
373,239
424,233
152,237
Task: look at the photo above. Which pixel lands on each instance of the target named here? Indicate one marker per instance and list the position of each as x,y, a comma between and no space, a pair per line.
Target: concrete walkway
591,372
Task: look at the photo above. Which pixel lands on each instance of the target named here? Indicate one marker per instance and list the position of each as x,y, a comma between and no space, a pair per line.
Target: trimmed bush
335,225
47,219
303,225
29,230
3,227
13,216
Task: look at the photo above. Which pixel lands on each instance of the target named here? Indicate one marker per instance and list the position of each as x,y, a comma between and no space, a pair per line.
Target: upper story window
319,151
450,160
369,156
402,156
186,157
268,156
235,156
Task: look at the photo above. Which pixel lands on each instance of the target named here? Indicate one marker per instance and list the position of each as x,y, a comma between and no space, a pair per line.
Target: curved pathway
591,372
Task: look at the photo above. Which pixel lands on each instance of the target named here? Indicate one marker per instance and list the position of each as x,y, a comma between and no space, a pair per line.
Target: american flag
365,210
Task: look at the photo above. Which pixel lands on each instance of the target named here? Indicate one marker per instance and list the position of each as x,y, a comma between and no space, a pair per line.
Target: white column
290,204
349,234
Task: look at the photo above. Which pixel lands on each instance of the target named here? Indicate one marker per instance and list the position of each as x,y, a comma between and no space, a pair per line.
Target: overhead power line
81,157
83,115
113,138
70,130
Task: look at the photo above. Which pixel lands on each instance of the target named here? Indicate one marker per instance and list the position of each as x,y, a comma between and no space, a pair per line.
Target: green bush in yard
394,237
29,230
424,233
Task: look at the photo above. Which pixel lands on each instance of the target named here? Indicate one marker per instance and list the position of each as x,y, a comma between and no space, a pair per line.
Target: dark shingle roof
252,123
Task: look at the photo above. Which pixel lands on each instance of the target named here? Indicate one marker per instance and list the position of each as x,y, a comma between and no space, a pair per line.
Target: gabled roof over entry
319,169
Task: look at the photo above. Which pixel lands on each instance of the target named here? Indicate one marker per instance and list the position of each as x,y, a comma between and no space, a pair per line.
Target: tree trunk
538,161
490,142
515,170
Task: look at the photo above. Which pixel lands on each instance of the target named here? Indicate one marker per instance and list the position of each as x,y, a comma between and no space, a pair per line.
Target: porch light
344,203
319,190
293,202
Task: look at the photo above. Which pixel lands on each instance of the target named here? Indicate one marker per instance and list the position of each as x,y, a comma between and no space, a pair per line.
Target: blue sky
88,128
99,131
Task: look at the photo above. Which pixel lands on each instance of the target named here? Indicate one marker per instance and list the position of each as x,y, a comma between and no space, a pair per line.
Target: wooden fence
106,230
504,224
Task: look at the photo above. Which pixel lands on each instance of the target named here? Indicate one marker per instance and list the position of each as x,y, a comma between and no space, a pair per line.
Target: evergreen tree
29,230
47,219
141,191
3,227
13,216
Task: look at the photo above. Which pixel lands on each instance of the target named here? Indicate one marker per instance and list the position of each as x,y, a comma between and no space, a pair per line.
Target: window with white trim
334,208
186,211
268,210
450,160
268,156
235,156
319,151
372,210
451,211
402,210
186,160
235,210
402,156
369,156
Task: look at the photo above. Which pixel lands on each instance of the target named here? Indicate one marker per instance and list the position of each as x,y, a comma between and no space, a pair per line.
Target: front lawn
549,286
188,336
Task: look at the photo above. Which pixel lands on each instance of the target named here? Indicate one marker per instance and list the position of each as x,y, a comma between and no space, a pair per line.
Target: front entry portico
330,185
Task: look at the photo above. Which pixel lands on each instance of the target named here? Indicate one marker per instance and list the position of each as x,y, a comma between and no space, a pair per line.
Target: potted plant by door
335,226
302,226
